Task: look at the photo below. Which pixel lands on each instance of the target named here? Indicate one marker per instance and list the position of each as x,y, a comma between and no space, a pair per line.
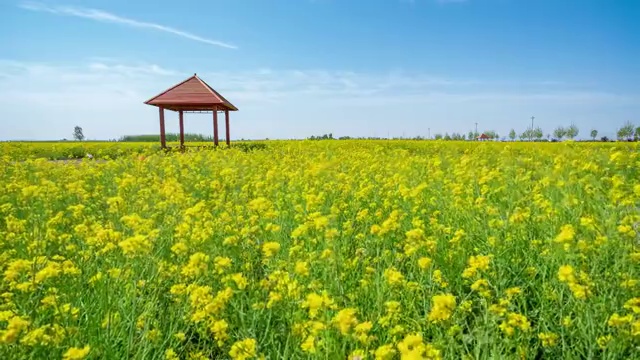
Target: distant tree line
328,136
626,133
168,137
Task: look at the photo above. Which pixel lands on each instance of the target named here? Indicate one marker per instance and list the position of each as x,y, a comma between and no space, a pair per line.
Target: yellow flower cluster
629,324
476,264
579,286
442,307
412,347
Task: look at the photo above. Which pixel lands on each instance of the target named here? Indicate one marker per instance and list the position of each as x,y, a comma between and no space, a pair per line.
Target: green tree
527,134
594,134
524,135
559,132
77,133
626,131
512,134
538,133
438,136
572,131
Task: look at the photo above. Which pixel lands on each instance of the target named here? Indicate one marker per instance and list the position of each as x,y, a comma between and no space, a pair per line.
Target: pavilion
192,95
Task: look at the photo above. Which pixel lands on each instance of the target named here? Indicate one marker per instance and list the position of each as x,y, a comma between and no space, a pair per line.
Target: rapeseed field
323,250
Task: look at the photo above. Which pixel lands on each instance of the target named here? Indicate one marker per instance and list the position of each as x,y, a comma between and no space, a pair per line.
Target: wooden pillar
163,142
181,129
226,126
215,126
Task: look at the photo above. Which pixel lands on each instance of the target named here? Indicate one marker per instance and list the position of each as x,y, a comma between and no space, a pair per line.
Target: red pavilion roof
193,94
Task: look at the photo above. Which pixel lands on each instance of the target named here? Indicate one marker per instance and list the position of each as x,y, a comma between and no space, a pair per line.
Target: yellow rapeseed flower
345,320
244,349
424,262
270,248
413,348
566,274
222,264
309,345
603,341
170,354
567,233
442,307
384,352
548,339
76,353
616,320
393,276
633,305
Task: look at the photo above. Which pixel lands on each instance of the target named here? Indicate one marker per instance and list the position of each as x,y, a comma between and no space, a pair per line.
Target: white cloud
103,16
105,97
130,70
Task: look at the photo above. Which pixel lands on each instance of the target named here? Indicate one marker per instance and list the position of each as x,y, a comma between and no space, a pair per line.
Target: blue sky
297,68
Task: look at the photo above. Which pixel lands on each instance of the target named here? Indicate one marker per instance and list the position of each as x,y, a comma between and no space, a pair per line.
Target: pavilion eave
194,107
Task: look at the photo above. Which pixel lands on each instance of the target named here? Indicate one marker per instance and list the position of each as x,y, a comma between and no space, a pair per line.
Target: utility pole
429,136
531,132
476,133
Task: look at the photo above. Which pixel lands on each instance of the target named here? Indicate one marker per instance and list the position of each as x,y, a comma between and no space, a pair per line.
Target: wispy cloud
107,17
131,70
